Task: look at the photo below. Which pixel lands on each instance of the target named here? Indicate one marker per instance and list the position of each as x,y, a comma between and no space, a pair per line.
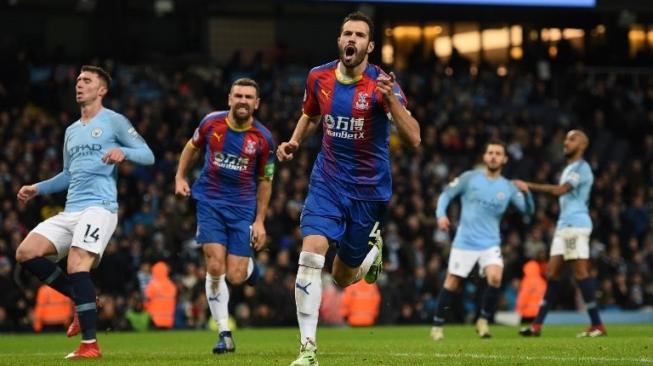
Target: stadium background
523,74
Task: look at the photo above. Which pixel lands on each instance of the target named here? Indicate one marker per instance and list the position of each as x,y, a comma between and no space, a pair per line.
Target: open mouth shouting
350,52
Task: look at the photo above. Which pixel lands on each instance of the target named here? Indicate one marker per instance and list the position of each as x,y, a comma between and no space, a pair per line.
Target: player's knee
25,253
341,280
214,267
236,277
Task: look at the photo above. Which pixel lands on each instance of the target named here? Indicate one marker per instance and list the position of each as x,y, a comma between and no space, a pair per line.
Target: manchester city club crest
361,101
97,132
251,147
501,196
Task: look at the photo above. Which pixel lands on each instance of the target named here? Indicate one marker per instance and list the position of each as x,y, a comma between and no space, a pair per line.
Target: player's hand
26,193
181,187
258,235
286,150
521,185
384,85
443,223
114,156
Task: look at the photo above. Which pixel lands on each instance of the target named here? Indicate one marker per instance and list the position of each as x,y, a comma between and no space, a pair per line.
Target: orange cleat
85,350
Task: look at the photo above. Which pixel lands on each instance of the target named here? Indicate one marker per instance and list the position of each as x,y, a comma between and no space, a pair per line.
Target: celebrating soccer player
355,102
485,195
572,235
232,194
93,146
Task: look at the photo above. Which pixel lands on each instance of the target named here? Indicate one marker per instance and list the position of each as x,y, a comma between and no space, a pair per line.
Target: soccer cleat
437,333
532,330
482,328
85,350
593,331
307,355
74,328
375,269
225,343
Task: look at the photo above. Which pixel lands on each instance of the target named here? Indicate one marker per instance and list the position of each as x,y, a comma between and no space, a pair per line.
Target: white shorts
571,243
461,261
89,229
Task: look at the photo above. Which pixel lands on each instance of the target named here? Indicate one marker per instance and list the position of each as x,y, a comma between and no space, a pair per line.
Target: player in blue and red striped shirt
232,194
356,103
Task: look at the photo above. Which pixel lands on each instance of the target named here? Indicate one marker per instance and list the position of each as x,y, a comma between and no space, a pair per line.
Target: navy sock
589,296
444,299
84,297
490,301
50,273
547,302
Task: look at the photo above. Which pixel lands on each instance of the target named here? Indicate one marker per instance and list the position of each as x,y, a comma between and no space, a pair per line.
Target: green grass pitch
410,345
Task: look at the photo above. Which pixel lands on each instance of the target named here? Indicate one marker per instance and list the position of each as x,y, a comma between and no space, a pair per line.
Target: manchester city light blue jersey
89,180
574,205
484,200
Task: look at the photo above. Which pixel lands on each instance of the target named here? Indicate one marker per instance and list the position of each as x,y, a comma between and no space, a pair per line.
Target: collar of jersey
236,128
346,80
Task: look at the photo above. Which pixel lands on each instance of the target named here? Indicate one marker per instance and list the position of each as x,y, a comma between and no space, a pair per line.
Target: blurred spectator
360,304
531,292
53,310
138,318
160,295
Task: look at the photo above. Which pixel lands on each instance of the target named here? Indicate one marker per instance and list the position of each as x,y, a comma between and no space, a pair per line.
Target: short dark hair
496,142
100,72
360,16
248,82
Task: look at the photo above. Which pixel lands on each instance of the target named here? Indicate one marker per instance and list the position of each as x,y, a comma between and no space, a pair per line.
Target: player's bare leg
308,296
451,285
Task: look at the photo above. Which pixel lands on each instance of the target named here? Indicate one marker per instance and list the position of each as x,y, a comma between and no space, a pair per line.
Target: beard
242,117
351,57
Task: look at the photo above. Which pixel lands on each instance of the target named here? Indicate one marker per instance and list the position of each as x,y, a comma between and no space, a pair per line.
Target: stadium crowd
530,106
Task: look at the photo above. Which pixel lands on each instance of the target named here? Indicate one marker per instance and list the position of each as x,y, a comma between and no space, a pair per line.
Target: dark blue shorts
348,222
228,226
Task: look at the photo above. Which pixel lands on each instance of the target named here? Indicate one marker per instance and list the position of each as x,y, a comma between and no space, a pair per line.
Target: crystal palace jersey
233,162
355,156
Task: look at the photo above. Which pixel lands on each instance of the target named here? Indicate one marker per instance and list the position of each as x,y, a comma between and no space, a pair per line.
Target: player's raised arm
552,189
523,199
407,126
305,127
134,147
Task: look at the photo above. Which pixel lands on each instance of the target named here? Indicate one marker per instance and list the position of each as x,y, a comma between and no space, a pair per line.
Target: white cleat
482,328
437,333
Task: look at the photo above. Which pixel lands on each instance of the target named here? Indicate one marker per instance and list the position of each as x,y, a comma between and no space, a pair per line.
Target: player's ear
256,104
370,47
103,90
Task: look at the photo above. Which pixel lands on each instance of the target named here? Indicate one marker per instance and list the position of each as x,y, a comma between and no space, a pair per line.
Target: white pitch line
529,358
